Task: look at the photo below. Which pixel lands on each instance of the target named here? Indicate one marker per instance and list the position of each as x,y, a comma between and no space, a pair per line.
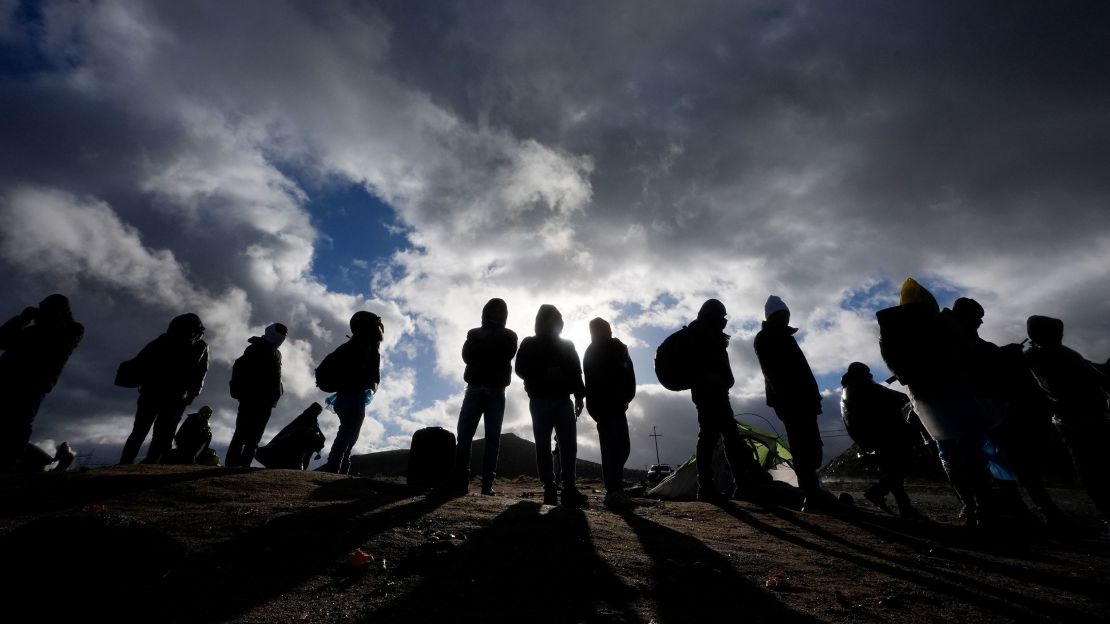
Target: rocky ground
195,544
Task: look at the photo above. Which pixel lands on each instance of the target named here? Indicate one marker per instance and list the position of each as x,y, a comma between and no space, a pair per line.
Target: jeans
250,424
163,414
554,415
350,407
966,466
715,421
612,433
805,445
480,401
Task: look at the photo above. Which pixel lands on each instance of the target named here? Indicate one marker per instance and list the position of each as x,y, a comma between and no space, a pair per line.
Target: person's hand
578,405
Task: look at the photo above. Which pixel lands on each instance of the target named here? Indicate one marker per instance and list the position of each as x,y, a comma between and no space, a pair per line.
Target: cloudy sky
296,161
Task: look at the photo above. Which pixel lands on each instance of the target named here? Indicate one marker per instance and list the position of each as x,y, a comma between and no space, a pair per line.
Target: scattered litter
95,508
359,559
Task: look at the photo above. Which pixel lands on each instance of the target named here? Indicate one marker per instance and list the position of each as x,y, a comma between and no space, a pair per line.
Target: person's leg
1085,443
619,447
165,425
567,433
805,445
709,432
469,415
495,416
606,432
145,413
234,455
256,428
543,423
351,410
746,471
15,425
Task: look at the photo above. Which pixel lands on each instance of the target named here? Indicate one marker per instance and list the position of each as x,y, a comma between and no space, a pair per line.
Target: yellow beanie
913,292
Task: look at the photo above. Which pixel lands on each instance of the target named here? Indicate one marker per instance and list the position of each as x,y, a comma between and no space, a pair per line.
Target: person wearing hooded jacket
488,354
610,387
256,384
551,372
173,367
793,393
1079,403
711,378
873,416
358,373
36,345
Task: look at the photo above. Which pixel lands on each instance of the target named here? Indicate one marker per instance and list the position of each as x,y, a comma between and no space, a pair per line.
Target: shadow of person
691,582
525,566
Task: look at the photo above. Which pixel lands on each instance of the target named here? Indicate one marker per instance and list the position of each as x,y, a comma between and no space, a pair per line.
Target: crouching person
873,416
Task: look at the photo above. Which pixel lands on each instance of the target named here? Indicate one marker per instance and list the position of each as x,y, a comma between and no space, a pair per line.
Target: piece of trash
359,559
779,581
94,508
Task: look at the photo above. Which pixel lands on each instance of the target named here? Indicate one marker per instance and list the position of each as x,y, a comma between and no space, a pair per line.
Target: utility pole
656,435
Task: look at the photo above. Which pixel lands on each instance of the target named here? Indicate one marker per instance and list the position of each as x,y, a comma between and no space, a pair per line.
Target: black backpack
431,457
327,373
674,359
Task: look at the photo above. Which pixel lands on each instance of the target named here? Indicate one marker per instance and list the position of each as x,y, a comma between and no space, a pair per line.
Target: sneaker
877,500
618,500
823,503
487,490
573,498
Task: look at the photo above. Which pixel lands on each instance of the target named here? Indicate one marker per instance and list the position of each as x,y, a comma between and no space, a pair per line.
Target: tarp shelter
769,450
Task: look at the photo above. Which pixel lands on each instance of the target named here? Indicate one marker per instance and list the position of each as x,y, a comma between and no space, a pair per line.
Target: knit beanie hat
275,334
774,304
913,292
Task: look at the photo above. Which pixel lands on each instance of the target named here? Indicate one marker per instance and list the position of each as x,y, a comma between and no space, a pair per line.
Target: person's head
969,313
186,327
858,372
54,308
713,313
600,330
367,325
775,311
314,410
495,313
912,292
549,322
275,334
205,412
1045,331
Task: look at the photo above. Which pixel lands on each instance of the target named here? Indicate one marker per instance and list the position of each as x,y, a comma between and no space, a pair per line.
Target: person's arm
200,370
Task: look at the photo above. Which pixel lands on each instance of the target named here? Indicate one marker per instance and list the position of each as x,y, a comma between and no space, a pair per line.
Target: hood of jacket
495,313
1045,331
549,322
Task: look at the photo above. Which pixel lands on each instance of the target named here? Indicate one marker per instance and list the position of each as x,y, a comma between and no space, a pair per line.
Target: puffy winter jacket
256,375
610,378
791,387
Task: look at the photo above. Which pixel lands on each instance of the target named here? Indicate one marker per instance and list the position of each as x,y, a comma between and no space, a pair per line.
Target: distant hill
515,458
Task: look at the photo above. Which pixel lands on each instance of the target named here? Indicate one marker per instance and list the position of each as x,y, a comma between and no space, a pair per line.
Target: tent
768,449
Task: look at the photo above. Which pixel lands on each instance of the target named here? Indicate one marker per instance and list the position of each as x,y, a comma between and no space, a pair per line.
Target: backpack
238,374
327,373
673,365
130,374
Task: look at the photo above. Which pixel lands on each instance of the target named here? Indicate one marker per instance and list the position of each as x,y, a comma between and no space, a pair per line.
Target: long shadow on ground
691,582
277,556
526,566
960,587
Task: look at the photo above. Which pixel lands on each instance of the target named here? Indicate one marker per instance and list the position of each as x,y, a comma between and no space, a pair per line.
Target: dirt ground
195,544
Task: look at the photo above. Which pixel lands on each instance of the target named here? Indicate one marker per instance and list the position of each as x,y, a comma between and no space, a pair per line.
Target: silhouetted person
171,370
192,438
873,416
711,379
488,353
356,377
931,356
1079,403
793,393
294,446
36,345
1006,388
551,372
256,384
65,456
610,387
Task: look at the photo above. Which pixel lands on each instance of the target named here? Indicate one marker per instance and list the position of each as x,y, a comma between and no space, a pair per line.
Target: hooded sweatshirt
488,351
610,378
790,385
548,364
1074,385
36,348
256,375
174,364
